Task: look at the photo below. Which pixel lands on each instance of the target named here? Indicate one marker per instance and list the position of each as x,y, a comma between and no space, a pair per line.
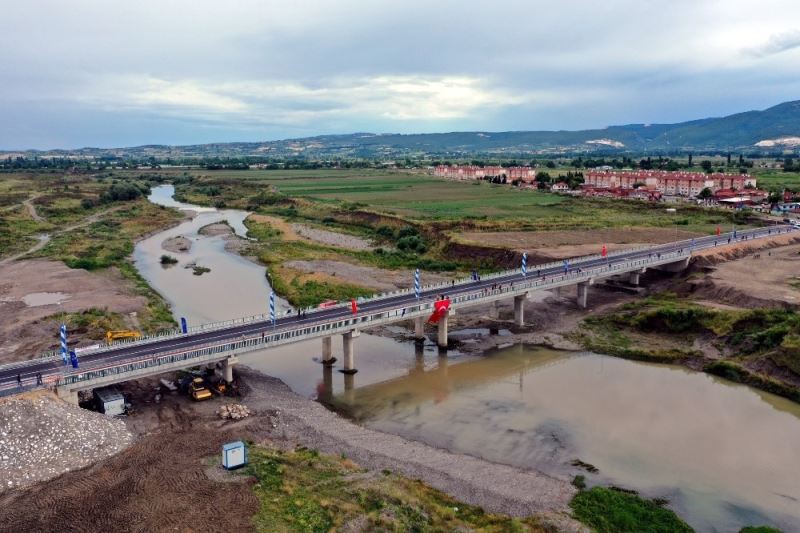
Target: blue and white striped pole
525,264
416,283
272,307
64,350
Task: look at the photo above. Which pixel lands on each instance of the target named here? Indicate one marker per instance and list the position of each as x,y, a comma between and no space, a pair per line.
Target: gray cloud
92,72
777,43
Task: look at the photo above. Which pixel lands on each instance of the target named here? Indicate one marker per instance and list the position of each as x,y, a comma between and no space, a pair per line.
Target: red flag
604,251
440,309
354,306
717,231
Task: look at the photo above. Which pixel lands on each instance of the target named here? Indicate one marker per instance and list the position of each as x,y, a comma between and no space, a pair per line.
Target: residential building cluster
687,184
474,172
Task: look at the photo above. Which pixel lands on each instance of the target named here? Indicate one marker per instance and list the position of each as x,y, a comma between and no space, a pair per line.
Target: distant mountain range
776,129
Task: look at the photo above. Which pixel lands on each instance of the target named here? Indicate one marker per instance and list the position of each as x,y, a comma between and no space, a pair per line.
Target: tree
542,177
705,194
690,160
707,166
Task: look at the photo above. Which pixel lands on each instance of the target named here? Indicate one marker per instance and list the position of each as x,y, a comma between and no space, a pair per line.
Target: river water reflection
723,454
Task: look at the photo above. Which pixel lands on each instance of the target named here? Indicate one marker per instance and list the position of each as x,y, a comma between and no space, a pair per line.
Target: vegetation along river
724,455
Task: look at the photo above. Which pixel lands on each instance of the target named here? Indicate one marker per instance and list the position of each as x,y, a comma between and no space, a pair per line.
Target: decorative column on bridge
347,348
519,309
327,352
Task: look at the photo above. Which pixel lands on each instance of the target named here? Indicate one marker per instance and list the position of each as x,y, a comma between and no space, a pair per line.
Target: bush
411,243
613,511
168,260
579,482
407,231
385,231
87,203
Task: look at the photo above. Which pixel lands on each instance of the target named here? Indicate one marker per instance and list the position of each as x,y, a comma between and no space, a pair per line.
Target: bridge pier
519,309
69,396
349,389
227,368
327,351
633,277
677,266
494,310
442,333
583,294
347,348
419,328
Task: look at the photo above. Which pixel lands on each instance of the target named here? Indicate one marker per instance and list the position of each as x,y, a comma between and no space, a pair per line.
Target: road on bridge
48,370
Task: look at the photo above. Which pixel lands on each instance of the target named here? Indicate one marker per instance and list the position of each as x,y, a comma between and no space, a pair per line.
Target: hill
771,130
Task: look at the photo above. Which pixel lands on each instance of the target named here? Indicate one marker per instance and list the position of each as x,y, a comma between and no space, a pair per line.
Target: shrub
168,260
612,511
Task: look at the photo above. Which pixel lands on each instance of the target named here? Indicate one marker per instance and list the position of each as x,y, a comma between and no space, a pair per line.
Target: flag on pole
63,337
604,251
416,283
354,306
272,307
525,263
718,232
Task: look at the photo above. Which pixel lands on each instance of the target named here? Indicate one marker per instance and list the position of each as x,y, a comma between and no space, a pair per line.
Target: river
724,455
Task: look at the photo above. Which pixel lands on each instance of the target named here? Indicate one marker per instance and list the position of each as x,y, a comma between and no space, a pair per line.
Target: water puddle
36,299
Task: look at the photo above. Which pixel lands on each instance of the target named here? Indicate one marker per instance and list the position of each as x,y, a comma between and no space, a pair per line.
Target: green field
419,197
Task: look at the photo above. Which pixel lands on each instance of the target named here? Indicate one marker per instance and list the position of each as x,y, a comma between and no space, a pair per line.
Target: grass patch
613,511
306,491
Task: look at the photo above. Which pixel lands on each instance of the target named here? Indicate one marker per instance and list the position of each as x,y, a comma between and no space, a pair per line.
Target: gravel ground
495,487
366,276
332,238
41,438
179,244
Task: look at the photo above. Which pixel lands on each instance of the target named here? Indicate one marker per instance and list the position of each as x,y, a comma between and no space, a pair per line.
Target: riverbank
178,440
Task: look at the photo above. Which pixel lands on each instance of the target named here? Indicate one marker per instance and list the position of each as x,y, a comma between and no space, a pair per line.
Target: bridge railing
163,335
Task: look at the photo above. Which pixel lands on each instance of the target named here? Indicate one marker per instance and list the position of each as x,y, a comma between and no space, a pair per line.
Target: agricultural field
418,197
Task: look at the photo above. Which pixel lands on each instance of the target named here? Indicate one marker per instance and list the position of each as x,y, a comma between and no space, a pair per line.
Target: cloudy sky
106,73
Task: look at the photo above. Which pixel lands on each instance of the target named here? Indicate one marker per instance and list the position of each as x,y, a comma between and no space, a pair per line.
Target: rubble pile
233,411
42,438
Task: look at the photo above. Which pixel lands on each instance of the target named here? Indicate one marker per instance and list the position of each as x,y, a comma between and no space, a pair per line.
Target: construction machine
198,390
112,336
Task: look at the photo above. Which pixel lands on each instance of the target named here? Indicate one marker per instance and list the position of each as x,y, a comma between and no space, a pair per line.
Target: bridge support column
583,294
419,328
494,309
347,348
442,334
633,278
227,368
69,396
327,351
519,309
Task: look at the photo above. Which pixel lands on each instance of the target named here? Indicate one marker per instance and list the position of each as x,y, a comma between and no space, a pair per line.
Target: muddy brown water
724,455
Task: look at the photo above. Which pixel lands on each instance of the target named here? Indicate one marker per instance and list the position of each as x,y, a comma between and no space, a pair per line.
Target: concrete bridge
221,343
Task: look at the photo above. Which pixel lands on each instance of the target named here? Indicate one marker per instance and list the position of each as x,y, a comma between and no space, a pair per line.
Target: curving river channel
724,455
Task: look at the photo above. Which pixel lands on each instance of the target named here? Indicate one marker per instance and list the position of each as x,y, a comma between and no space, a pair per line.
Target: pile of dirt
42,437
24,332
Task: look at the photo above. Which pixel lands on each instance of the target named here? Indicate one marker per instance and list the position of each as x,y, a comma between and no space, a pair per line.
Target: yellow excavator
112,336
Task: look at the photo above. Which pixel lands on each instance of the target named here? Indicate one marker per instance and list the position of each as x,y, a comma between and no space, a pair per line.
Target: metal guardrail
293,333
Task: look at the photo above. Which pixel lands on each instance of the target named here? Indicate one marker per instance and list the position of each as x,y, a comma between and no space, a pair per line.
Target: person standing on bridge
38,378
19,380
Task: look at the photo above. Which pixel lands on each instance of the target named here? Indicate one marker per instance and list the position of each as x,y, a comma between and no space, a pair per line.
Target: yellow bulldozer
112,336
